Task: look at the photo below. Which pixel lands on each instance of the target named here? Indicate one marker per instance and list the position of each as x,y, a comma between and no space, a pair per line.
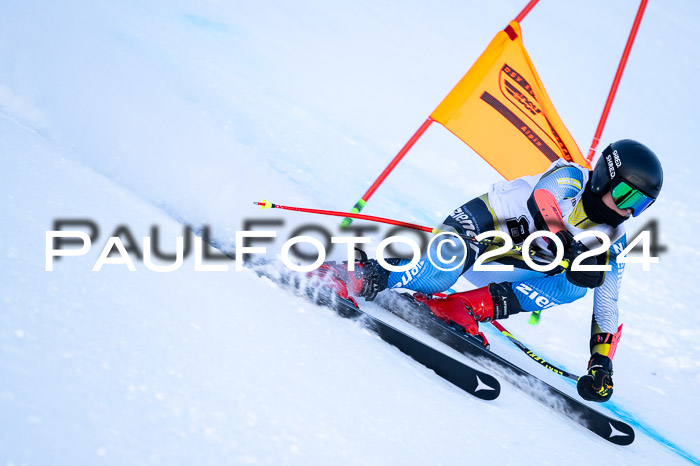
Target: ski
473,381
469,379
404,306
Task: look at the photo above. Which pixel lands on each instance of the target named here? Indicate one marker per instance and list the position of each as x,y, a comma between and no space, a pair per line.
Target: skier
565,200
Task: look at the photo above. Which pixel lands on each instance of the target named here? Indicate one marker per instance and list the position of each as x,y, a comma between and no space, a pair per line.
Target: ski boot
366,281
468,308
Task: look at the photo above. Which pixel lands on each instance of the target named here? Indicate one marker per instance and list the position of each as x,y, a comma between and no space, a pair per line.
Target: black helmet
631,172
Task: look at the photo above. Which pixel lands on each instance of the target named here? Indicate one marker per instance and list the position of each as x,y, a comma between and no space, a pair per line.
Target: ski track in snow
131,113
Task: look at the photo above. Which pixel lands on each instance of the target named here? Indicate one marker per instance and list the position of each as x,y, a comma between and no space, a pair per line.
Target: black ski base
472,381
404,306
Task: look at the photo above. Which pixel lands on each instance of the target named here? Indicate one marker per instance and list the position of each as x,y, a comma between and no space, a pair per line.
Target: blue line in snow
648,430
652,433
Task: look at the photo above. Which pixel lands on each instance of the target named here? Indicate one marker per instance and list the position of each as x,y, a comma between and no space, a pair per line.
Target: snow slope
123,113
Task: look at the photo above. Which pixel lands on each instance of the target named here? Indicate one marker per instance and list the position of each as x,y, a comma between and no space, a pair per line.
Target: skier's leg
499,300
428,276
546,292
468,308
437,270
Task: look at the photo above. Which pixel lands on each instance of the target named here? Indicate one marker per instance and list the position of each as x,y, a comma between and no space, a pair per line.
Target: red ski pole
269,205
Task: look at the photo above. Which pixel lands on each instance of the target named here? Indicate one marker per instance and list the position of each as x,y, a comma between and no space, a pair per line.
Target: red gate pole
526,10
616,81
365,197
360,204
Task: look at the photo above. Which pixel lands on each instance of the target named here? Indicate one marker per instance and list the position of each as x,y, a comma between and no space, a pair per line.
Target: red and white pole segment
616,80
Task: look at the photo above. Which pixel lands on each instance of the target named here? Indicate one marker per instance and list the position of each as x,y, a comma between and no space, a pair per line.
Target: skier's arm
597,385
605,313
555,186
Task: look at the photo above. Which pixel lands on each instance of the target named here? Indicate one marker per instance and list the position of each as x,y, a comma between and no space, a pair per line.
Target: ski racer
566,199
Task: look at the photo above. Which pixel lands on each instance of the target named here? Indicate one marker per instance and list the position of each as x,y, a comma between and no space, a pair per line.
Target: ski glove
566,238
597,385
573,249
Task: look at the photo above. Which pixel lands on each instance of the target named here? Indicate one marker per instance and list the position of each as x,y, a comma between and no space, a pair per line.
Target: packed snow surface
137,114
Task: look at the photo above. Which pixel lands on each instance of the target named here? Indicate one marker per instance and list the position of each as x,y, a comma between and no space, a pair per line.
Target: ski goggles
627,196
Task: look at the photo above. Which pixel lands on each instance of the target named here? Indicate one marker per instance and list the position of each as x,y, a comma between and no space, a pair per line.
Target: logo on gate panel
518,91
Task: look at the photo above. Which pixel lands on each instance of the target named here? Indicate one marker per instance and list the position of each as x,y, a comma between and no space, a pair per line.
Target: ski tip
620,433
487,387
